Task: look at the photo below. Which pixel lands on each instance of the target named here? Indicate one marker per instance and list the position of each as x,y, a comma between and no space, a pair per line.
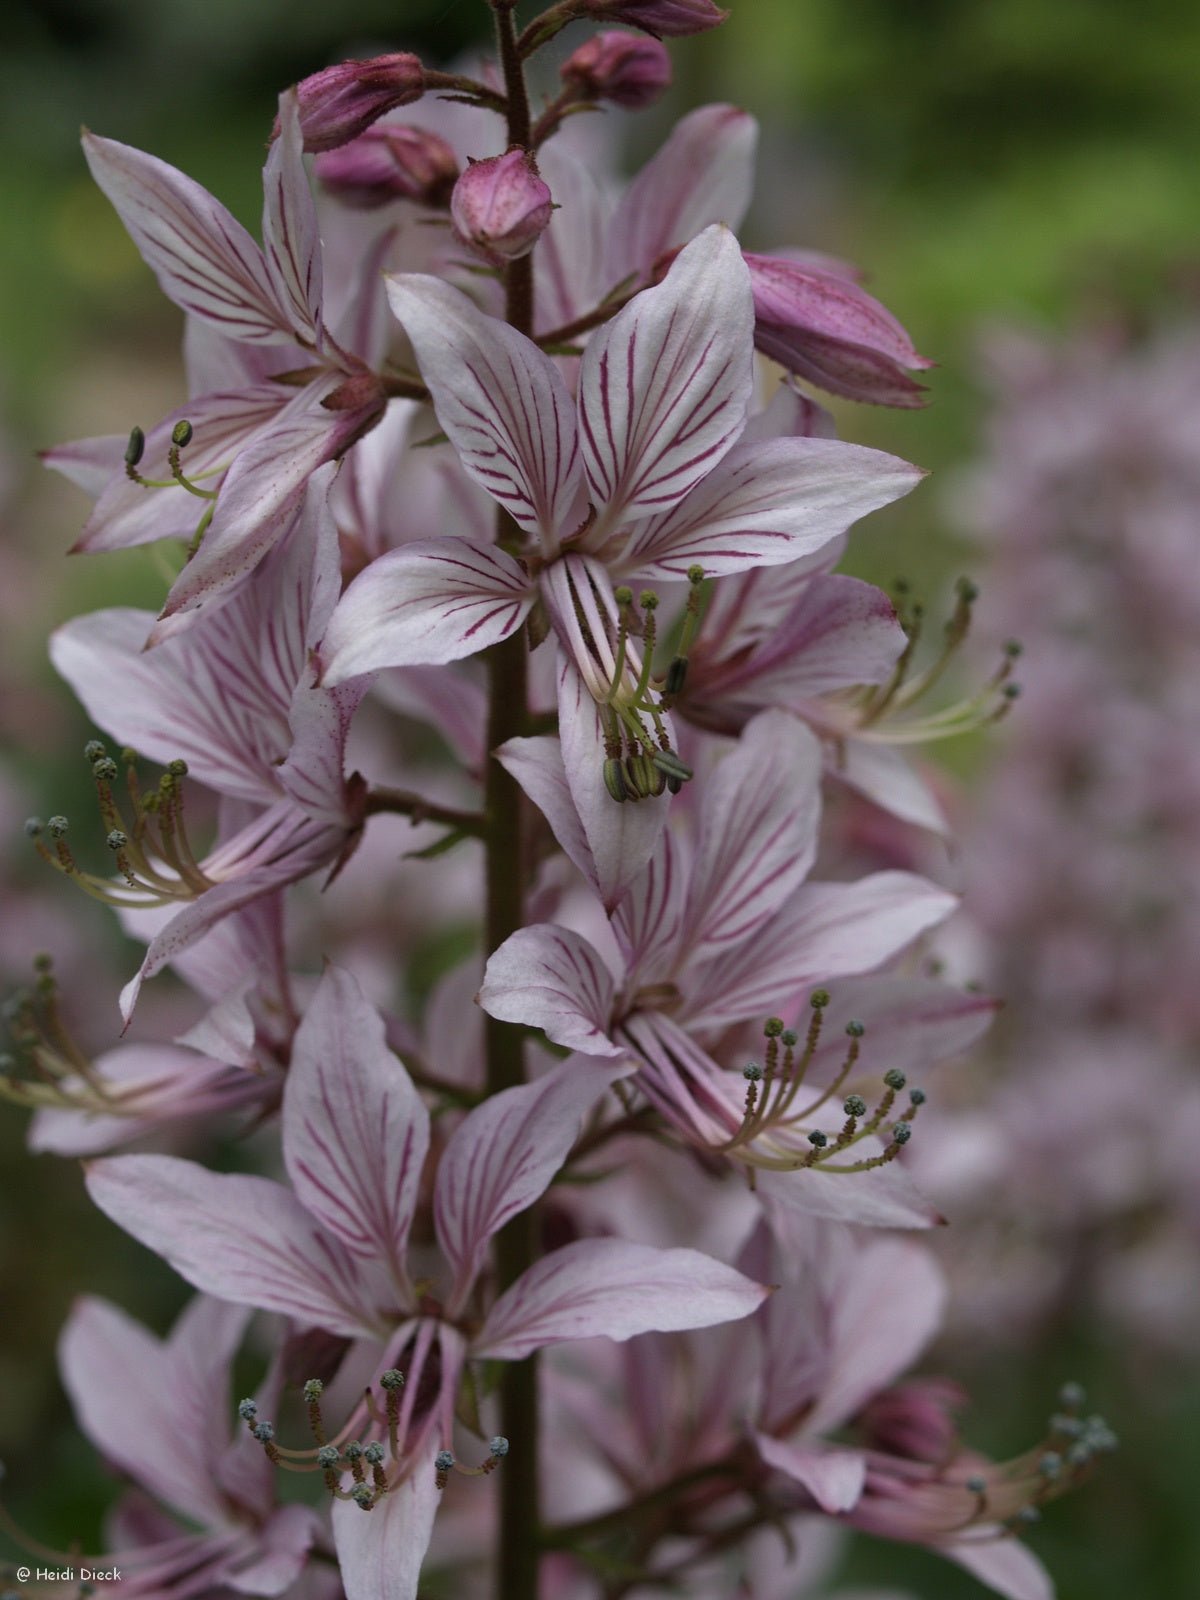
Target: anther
57,827
34,826
264,1432
353,1452
1027,1516
181,434
135,448
917,1096
614,779
498,1446
819,999
894,1078
93,750
752,1072
327,1457
773,1027
373,1455
313,1390
623,595
817,1139
901,1133
443,1462
363,1496
247,1410
1050,1465
855,1030
648,600
116,840
1072,1396
104,769
789,1038
393,1378
855,1106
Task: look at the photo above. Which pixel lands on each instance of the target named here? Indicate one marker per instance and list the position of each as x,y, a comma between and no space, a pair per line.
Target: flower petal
767,504
665,386
613,1289
380,1552
429,602
882,774
551,978
240,1238
502,1156
881,1197
537,765
355,1131
834,1478
502,403
704,173
825,931
280,1553
291,241
1005,1565
204,260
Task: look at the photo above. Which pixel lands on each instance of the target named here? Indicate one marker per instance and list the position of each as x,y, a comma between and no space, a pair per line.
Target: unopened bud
501,207
663,18
340,102
619,67
392,161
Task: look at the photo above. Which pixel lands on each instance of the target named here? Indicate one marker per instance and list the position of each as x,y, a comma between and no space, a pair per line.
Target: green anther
855,1029
177,768
93,750
181,434
695,573
894,1078
116,840
773,1027
623,595
313,1390
135,449
819,999
855,1106
676,676
614,779
57,826
817,1139
669,763
648,600
104,770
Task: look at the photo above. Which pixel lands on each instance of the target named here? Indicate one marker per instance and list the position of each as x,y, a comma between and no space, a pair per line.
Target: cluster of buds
875,710
153,853
772,1122
363,1472
639,763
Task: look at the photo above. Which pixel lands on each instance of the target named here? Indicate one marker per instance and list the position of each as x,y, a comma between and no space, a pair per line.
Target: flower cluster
483,447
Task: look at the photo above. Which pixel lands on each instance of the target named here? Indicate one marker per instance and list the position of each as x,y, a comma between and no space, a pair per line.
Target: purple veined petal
277,848
620,838
204,260
502,1157
537,765
380,1552
453,703
240,1238
224,423
314,772
501,402
665,386
704,173
213,363
568,265
834,1478
912,1023
429,602
881,1197
262,497
746,609
767,504
648,922
125,1387
90,464
885,1313
551,978
291,242
355,1131
842,632
613,1289
826,930
281,1553
758,837
1005,1565
790,414
682,1081
884,775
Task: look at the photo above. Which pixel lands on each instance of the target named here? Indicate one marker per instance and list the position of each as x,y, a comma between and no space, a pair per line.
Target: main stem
517,1244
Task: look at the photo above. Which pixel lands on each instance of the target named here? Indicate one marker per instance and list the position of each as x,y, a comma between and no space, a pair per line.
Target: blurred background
1019,181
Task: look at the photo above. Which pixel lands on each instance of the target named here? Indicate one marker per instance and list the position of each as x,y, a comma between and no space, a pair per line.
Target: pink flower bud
392,161
500,206
819,324
337,104
659,17
621,67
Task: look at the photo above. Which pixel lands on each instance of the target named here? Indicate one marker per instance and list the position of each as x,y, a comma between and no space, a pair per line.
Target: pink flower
340,102
158,1412
711,935
500,206
332,1249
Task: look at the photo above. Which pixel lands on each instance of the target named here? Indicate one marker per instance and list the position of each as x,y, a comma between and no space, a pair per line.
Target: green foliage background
985,159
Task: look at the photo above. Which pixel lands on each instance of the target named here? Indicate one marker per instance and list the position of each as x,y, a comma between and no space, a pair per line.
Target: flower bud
394,161
337,104
672,18
500,206
620,67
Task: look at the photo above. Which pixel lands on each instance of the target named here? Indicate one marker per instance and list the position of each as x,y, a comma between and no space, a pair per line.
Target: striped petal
502,1156
769,503
612,1289
429,602
291,241
240,1238
380,1553
355,1132
664,388
703,174
501,402
204,260
649,922
551,978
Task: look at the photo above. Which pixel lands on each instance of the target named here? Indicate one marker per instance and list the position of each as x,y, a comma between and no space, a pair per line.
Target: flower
331,1249
500,206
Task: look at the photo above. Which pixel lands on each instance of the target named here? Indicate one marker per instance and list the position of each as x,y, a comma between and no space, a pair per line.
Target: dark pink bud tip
500,206
393,161
621,67
340,102
668,18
